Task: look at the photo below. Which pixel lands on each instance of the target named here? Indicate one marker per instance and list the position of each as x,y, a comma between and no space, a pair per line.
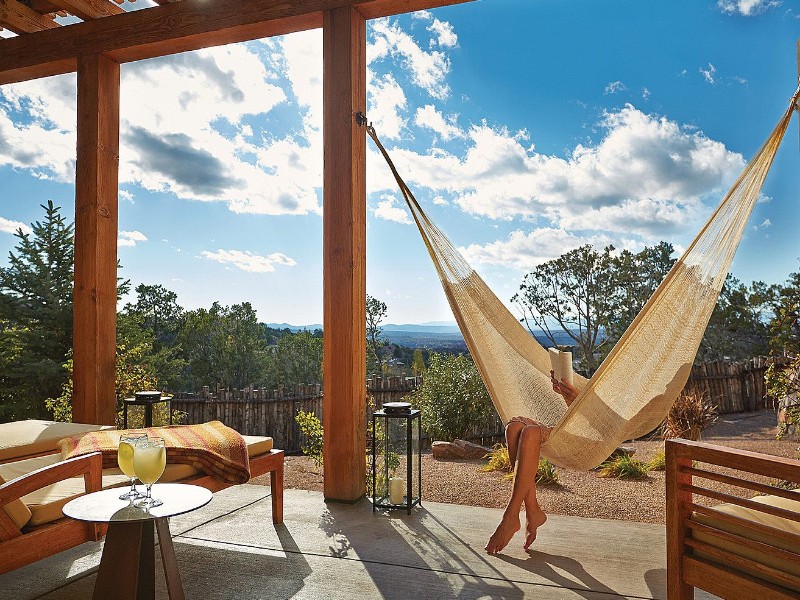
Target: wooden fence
733,387
254,411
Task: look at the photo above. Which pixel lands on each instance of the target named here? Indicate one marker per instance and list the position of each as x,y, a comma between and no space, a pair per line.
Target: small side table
127,567
146,399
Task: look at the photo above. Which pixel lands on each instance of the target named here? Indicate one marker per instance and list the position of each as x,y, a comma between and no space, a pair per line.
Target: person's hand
567,390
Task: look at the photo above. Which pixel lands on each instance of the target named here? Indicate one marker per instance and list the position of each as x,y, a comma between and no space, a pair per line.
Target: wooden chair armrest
88,465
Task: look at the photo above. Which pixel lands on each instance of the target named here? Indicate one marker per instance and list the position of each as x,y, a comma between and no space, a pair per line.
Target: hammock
635,386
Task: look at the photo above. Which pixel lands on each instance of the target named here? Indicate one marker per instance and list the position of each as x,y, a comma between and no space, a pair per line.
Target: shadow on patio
231,549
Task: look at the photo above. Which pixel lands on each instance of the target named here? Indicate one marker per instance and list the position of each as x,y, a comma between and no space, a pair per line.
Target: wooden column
344,233
95,294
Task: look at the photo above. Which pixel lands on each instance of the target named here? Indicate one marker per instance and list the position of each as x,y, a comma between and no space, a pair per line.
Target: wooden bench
745,547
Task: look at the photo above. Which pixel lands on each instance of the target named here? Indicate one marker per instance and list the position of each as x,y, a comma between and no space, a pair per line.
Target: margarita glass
125,452
149,461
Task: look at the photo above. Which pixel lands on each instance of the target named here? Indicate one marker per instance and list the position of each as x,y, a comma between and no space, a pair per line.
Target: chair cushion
257,444
786,566
25,438
17,510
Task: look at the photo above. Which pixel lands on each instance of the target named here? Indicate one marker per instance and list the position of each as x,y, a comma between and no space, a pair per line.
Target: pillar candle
396,485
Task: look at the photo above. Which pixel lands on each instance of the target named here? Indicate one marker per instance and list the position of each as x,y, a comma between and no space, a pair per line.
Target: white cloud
525,251
428,117
445,34
645,94
746,8
387,100
9,226
248,261
41,135
647,176
389,210
614,87
708,74
765,224
130,238
428,69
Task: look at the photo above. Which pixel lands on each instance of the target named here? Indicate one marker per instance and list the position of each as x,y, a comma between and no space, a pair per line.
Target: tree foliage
453,398
36,316
223,345
296,359
739,326
376,313
573,293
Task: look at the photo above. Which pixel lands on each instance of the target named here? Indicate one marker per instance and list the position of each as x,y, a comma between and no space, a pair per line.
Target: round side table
127,567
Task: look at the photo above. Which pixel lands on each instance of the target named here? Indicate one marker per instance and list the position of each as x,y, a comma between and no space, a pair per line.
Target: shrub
452,397
498,459
311,427
623,466
658,462
689,416
546,474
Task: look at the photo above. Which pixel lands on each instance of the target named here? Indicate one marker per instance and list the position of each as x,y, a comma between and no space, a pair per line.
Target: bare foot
534,521
503,534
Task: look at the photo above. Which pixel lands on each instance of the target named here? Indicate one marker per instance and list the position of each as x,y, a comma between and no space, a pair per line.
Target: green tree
739,326
223,345
453,398
36,316
574,293
159,311
376,312
155,320
634,277
418,362
296,359
784,378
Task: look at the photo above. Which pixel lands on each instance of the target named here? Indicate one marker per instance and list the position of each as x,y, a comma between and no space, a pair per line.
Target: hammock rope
635,386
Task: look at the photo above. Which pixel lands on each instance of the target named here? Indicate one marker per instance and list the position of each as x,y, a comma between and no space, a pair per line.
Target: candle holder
396,457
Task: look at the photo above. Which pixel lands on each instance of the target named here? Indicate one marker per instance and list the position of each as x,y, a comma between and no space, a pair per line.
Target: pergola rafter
94,48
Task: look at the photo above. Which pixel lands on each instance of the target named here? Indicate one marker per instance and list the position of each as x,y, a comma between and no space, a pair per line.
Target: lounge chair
33,490
743,548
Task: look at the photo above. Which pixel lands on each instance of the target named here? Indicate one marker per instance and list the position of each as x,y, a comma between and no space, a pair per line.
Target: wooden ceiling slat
20,19
176,27
91,9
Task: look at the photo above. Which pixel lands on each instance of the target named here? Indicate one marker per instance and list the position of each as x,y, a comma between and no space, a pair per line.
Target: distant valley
441,337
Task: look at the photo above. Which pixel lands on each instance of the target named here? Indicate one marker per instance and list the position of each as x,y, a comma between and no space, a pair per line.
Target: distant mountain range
436,335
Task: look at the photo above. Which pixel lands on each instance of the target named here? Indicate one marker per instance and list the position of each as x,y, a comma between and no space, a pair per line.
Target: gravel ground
577,493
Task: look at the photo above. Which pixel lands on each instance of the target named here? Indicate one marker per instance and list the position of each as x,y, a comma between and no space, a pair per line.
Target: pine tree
36,316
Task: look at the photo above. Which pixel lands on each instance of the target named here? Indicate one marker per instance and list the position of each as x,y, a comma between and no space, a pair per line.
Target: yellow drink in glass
125,452
149,462
125,458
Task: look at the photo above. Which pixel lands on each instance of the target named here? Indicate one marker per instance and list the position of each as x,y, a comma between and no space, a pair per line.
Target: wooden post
344,254
677,513
95,293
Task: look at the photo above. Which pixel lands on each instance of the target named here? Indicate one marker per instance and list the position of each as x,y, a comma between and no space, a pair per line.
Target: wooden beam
18,18
91,9
95,295
176,27
344,87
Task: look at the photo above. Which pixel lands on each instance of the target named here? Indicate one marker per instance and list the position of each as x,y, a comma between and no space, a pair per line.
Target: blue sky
526,128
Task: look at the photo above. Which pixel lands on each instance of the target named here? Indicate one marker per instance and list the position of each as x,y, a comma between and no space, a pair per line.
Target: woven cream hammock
634,387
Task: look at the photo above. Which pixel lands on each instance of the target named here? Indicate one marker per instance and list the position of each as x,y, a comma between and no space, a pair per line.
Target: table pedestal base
127,567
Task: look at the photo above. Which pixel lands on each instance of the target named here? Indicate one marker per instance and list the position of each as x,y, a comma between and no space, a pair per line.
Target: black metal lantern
396,457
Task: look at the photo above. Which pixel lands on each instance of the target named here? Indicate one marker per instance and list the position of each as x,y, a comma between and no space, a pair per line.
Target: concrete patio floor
231,550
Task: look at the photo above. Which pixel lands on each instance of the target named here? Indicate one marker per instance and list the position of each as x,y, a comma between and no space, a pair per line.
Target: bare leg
528,450
513,429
